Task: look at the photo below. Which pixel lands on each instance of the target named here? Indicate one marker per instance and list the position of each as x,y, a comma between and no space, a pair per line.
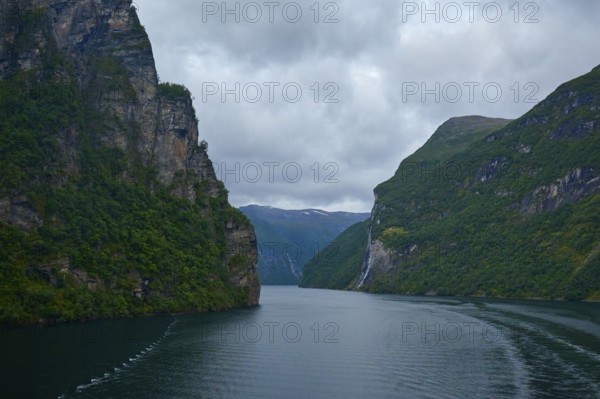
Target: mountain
108,204
339,265
510,210
288,239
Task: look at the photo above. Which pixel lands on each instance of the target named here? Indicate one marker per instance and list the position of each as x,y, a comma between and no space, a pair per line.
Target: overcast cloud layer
349,132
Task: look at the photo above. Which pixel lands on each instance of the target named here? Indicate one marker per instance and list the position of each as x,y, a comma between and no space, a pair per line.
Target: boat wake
109,375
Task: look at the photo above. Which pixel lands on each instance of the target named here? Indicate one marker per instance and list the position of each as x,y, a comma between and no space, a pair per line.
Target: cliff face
492,208
111,65
572,188
100,118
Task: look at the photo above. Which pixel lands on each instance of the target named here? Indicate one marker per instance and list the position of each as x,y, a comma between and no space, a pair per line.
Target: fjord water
318,344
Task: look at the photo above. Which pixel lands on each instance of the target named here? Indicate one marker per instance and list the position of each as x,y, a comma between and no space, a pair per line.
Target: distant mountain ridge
486,207
287,239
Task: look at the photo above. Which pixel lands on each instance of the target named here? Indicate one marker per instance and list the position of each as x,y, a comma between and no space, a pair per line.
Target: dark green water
318,344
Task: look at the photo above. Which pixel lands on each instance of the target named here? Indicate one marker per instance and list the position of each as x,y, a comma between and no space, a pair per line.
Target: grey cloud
370,54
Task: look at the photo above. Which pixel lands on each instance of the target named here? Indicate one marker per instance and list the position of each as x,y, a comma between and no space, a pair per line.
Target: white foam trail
132,360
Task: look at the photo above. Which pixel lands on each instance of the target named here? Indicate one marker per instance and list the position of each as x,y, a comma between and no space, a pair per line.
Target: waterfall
293,267
367,263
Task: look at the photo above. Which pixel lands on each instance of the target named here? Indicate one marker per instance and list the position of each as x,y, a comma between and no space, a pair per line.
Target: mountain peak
455,134
454,129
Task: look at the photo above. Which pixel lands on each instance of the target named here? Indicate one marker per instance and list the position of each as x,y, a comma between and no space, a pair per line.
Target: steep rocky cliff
106,194
492,208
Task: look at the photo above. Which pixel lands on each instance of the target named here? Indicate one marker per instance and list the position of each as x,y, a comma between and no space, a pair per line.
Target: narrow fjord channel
319,344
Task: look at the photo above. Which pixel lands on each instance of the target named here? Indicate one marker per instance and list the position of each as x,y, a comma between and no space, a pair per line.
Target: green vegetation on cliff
508,210
102,235
173,91
87,227
338,265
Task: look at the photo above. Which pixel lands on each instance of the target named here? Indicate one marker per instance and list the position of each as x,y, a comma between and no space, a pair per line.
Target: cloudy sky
312,104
